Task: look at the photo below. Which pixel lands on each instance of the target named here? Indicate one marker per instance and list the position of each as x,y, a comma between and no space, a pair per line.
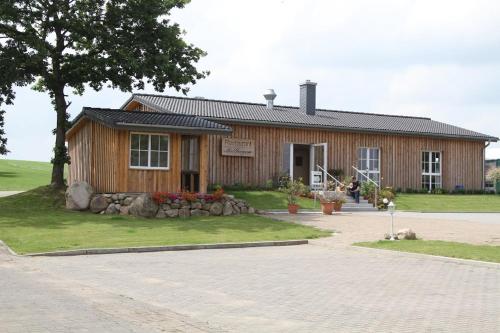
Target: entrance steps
364,206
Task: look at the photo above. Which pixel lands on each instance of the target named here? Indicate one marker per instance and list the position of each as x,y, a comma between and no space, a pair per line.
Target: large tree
59,44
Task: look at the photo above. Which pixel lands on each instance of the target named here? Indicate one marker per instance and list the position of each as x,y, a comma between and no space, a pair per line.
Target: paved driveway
310,288
474,228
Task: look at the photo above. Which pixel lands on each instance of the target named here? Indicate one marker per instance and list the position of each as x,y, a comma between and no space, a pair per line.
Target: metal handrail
377,186
368,178
326,172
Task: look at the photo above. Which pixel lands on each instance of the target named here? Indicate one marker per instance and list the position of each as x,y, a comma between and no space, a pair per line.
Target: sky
438,59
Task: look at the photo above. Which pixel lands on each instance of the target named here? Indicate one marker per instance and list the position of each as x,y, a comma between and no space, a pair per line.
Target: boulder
128,201
172,213
124,210
206,206
121,196
216,209
143,206
165,206
98,203
184,212
196,212
204,213
406,234
251,210
241,204
196,205
243,210
236,210
161,214
114,197
78,196
228,209
111,209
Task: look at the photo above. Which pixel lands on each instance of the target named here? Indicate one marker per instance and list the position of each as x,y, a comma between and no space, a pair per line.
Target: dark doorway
190,163
301,162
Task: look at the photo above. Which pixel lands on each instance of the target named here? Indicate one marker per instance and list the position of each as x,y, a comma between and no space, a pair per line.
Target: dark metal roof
158,121
241,112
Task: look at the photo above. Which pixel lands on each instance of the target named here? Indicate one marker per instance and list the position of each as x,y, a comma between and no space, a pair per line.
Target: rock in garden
406,234
127,201
98,203
236,210
196,205
78,196
184,212
161,214
243,210
241,204
111,209
172,213
228,209
121,196
251,210
216,209
114,197
143,206
124,210
204,213
196,212
165,206
206,206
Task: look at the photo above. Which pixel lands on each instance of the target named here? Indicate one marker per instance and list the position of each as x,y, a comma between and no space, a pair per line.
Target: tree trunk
60,153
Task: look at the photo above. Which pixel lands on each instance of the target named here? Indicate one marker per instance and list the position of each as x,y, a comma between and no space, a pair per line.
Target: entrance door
190,160
301,162
318,158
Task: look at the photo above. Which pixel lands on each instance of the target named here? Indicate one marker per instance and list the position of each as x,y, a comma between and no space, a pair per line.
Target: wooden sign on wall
238,147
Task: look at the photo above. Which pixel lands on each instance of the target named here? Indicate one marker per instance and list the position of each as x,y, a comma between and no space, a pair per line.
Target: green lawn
23,175
448,202
272,200
440,248
35,221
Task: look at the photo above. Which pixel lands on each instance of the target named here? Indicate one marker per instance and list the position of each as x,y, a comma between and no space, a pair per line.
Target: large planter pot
293,208
327,208
337,206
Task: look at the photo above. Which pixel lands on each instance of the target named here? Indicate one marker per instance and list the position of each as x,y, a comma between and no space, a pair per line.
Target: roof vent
270,95
199,97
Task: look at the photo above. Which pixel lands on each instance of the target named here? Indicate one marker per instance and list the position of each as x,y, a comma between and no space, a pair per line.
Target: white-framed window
149,151
369,163
431,170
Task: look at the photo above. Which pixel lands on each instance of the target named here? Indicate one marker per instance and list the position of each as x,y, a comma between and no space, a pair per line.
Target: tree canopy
58,44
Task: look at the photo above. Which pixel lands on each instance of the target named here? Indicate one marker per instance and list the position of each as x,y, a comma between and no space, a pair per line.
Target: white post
392,208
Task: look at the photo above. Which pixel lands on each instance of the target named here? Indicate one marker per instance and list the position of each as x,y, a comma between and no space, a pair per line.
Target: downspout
484,161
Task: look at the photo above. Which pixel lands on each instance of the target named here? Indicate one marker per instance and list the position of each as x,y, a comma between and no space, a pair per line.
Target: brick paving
475,228
308,288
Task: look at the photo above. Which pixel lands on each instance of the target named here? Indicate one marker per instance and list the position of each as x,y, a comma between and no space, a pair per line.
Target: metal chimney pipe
270,95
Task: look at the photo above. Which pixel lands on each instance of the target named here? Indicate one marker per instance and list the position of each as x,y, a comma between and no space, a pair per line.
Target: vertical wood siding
400,156
100,156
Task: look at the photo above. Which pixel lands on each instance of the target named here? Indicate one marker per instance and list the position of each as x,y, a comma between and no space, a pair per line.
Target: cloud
435,58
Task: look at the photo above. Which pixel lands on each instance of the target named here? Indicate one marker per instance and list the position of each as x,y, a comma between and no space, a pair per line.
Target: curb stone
168,248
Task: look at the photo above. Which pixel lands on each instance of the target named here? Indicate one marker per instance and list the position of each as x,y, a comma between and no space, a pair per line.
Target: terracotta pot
327,208
292,209
337,206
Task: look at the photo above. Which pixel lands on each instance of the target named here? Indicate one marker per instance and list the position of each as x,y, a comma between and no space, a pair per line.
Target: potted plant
338,198
327,201
293,189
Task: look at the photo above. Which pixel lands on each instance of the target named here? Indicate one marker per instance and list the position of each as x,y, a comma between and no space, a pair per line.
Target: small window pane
374,153
144,143
134,158
363,165
155,142
364,153
163,159
163,143
154,159
143,158
134,141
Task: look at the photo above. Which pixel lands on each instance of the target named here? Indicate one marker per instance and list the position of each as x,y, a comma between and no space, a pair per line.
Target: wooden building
163,143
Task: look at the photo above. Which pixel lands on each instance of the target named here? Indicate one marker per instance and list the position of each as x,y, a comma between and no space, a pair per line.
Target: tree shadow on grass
7,174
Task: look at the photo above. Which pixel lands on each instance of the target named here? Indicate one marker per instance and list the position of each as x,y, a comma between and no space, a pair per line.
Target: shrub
493,175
